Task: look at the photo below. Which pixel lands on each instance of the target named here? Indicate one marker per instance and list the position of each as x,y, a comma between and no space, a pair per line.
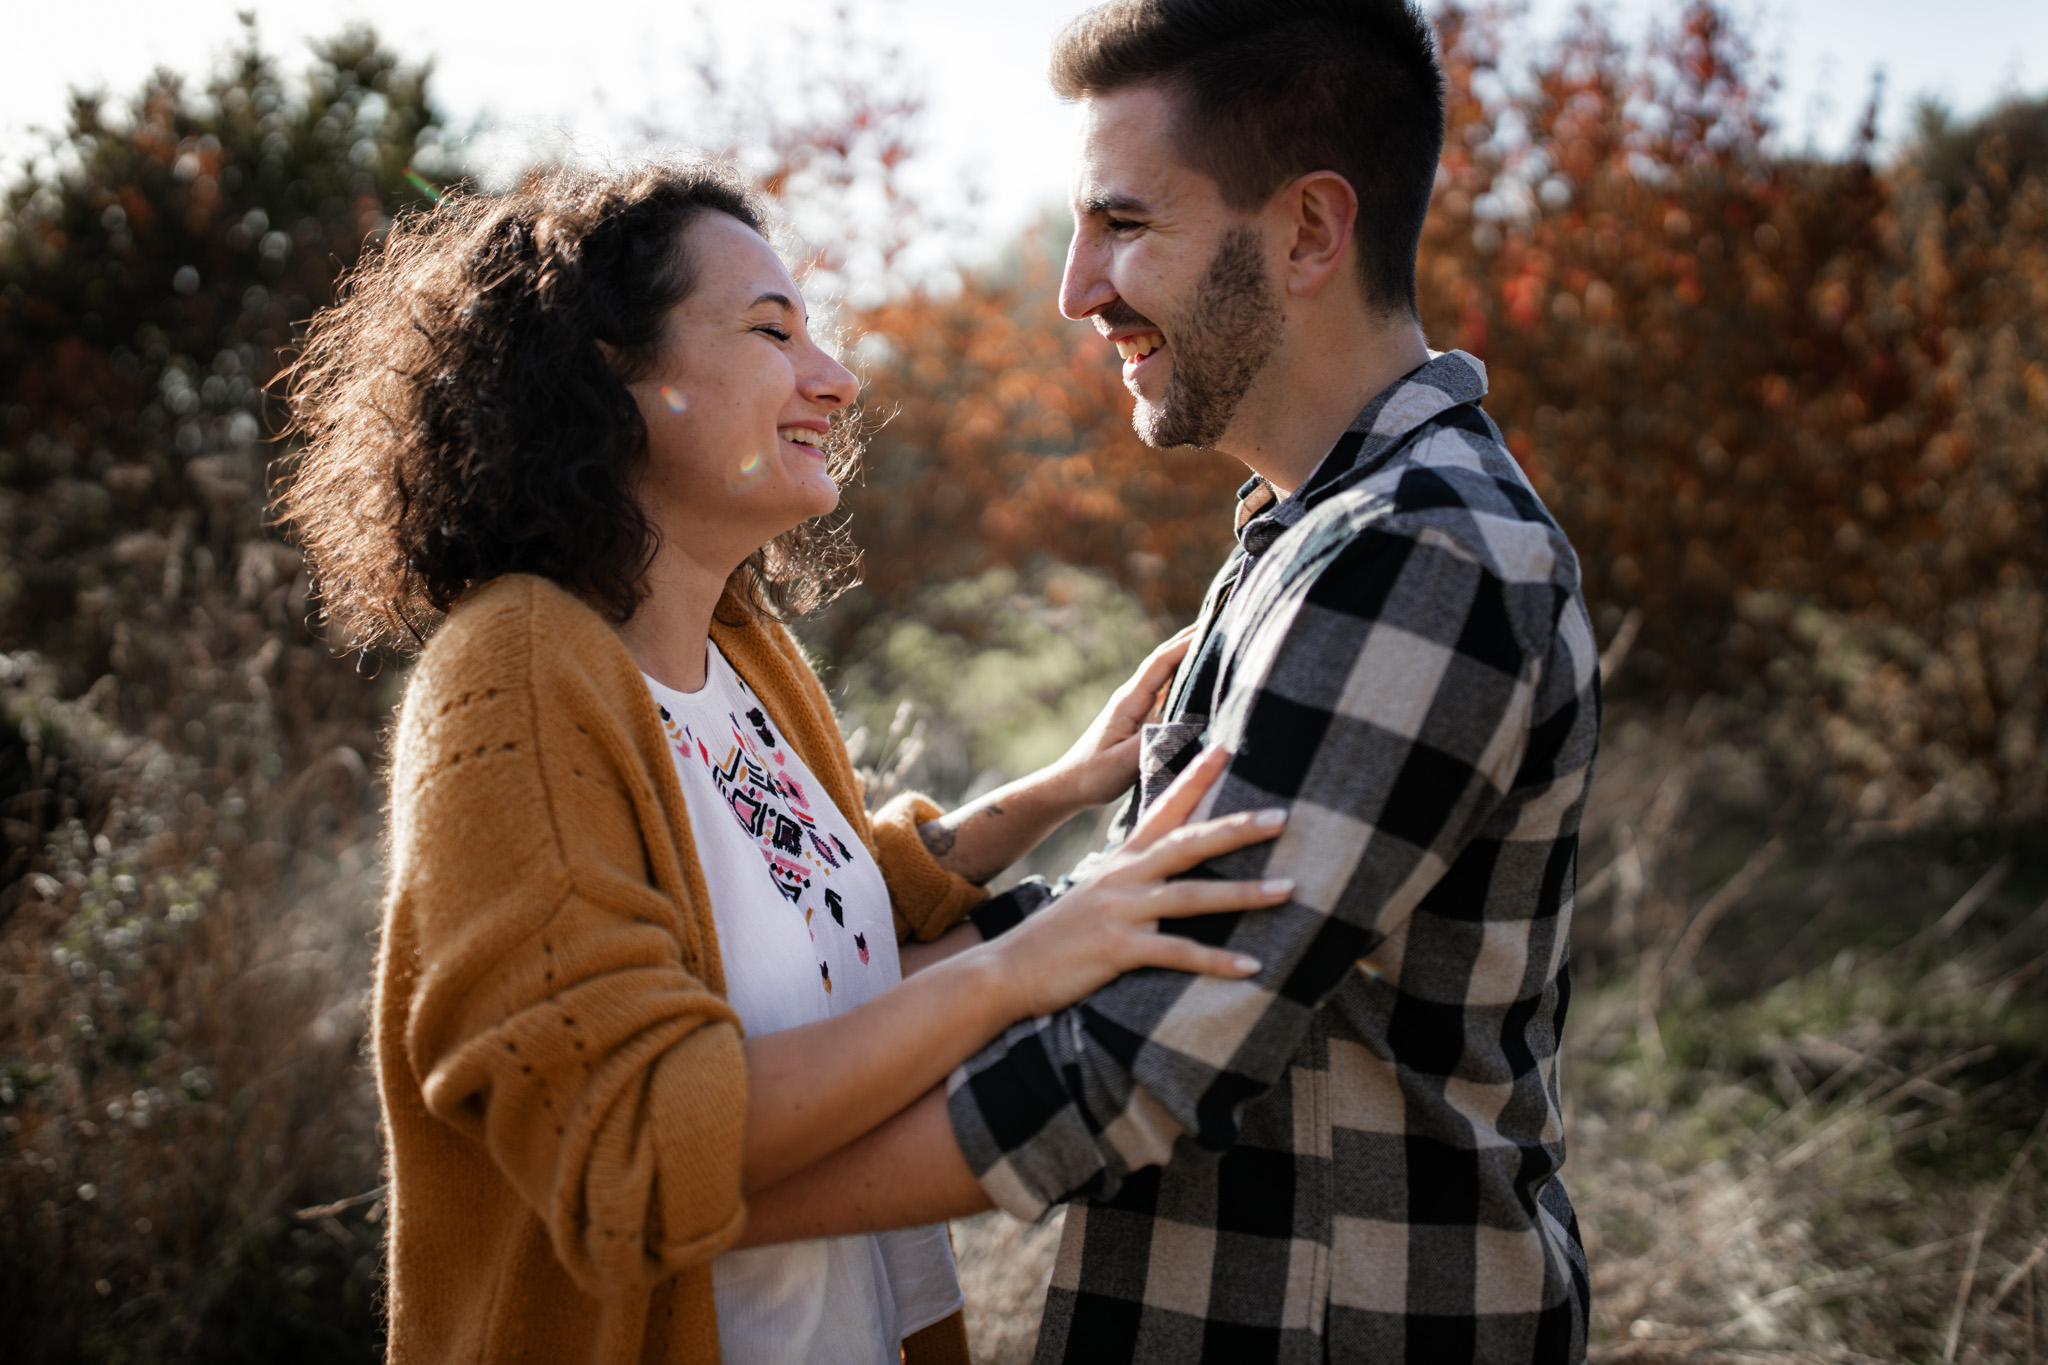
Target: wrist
1054,793
988,972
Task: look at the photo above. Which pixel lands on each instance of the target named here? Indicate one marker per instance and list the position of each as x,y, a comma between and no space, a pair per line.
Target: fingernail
1270,819
1245,964
1277,886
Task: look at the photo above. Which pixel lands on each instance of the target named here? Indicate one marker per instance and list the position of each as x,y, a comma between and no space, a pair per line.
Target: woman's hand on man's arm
985,836
818,1087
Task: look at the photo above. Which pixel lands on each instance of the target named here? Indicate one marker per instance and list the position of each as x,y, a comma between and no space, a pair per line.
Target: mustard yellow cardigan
563,1085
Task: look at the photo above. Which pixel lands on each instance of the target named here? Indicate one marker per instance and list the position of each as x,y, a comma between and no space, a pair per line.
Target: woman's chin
807,503
822,495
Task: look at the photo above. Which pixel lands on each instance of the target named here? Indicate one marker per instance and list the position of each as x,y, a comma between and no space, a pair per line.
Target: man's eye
1123,225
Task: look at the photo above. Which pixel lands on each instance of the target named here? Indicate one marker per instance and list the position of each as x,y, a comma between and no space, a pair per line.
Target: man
1354,1154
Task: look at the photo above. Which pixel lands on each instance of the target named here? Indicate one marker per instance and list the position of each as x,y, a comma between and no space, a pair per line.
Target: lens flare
423,185
750,469
674,397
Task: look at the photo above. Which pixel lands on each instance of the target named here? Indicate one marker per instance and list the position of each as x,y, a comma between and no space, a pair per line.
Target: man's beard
1219,347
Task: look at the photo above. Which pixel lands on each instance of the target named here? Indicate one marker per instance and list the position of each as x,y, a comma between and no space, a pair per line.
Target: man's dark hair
465,412
1272,89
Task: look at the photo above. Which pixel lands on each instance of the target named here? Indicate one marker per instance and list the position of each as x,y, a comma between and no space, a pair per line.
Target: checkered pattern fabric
1353,1155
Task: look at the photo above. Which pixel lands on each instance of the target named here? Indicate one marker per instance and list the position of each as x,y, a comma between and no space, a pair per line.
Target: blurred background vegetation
1793,411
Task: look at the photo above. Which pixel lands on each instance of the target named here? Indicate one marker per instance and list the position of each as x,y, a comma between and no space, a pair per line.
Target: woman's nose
826,381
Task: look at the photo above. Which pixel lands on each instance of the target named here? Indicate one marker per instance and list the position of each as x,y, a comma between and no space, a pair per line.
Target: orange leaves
1009,440
1524,295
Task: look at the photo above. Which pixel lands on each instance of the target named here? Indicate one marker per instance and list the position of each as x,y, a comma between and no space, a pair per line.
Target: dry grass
1815,1135
1005,1267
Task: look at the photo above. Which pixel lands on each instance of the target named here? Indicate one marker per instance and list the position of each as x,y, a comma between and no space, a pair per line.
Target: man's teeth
1138,347
804,436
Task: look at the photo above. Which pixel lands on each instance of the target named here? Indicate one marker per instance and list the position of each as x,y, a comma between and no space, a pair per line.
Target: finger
1175,900
1157,670
1176,645
1178,802
1186,955
1180,849
1158,711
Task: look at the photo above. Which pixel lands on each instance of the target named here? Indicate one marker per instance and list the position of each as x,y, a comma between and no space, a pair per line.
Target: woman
639,954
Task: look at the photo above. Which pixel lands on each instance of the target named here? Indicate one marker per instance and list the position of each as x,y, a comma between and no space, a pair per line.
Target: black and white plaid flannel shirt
1354,1154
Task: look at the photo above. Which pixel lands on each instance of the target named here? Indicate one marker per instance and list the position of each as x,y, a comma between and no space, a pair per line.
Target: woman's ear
1320,210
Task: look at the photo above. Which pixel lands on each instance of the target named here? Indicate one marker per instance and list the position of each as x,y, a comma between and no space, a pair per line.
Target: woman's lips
803,442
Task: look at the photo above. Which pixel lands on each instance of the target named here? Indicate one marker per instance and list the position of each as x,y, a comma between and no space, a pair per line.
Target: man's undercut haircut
1269,90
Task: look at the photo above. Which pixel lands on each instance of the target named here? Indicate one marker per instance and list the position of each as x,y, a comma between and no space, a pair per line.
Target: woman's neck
667,635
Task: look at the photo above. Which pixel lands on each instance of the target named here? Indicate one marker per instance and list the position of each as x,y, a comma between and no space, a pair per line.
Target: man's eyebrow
1114,203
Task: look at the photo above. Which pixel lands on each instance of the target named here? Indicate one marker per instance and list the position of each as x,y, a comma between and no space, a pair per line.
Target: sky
990,120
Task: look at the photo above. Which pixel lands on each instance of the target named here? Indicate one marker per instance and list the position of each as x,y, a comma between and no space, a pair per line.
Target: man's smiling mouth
1140,346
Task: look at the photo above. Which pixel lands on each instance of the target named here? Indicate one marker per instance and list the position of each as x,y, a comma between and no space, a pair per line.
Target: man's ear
1319,211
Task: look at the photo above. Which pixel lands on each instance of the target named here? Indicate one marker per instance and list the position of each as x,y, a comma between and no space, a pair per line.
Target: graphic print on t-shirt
750,769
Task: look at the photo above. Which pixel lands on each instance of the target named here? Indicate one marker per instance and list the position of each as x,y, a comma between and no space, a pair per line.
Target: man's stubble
1230,331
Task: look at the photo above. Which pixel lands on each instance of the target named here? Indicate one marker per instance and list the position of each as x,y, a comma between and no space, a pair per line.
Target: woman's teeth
1138,347
804,436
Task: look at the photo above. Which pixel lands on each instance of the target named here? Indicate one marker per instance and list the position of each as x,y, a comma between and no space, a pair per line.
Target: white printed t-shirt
805,932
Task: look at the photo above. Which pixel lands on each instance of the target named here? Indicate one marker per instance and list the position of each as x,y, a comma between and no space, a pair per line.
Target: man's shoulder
1454,484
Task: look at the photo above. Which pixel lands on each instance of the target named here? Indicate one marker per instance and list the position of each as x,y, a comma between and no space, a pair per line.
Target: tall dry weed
1808,1073
182,1006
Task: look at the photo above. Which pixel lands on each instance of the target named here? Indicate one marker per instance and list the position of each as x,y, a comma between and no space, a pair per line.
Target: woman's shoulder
517,652
497,632
507,615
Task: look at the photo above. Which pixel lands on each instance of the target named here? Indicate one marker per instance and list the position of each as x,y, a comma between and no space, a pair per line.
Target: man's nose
1084,285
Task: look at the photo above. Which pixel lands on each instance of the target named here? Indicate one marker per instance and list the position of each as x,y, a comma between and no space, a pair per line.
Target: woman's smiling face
738,404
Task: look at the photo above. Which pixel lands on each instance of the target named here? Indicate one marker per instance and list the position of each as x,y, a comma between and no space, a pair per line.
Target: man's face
1168,271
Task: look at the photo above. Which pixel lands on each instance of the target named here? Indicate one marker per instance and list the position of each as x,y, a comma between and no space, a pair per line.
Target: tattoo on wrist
939,837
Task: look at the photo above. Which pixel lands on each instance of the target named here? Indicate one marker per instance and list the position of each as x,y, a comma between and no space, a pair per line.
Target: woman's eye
775,332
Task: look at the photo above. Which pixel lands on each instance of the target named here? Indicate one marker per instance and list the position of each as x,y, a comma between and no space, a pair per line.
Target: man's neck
1312,389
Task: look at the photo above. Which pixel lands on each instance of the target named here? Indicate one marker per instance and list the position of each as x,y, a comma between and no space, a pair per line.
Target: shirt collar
1446,380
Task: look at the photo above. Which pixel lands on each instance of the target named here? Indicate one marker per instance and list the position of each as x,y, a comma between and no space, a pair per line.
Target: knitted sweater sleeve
563,1013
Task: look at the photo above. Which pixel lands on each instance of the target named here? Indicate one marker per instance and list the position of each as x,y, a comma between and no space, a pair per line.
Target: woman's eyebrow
780,300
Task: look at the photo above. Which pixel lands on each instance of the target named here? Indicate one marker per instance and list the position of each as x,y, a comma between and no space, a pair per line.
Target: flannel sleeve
1381,691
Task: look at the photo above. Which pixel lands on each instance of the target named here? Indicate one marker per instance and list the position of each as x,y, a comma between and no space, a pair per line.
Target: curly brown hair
460,420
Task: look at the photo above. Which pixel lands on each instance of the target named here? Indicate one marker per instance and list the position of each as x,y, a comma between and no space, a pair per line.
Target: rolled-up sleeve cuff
1021,1131
929,900
1000,1179
1005,910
